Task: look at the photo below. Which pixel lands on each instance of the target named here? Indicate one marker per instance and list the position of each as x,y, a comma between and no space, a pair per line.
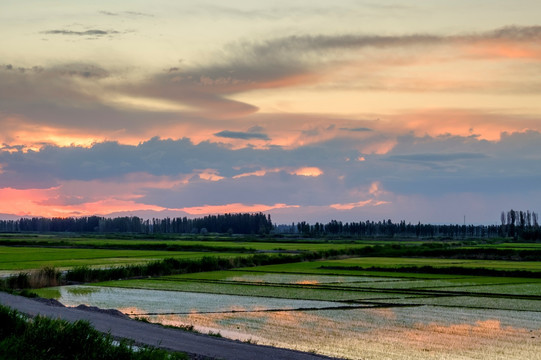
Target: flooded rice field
342,329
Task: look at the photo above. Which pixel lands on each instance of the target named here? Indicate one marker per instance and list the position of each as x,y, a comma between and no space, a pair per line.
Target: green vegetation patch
528,289
318,267
215,244
25,258
43,338
48,293
403,262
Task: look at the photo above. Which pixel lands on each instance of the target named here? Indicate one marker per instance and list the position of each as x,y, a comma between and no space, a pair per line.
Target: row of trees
227,223
520,223
523,224
387,228
515,224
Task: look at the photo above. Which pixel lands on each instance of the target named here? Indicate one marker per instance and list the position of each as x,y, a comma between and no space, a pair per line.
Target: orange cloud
504,50
209,174
233,208
350,206
23,202
459,122
34,202
310,171
18,131
374,191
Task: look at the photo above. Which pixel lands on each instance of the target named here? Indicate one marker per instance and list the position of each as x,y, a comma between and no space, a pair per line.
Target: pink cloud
310,171
233,208
41,202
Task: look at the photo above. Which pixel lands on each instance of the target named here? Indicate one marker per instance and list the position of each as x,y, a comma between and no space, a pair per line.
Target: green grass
239,244
25,258
47,293
367,262
517,246
399,262
44,338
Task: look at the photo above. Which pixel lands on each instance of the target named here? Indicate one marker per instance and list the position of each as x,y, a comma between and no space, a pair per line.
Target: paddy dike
197,345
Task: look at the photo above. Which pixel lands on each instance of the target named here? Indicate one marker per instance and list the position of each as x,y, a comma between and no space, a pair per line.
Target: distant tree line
387,228
228,223
523,224
516,224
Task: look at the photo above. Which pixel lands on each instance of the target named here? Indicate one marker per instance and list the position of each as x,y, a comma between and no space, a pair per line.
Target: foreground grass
23,338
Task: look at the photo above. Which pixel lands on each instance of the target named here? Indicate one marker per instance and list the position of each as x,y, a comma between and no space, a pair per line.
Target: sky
315,110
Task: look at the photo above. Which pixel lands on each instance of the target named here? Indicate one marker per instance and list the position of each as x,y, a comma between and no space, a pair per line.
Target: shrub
43,338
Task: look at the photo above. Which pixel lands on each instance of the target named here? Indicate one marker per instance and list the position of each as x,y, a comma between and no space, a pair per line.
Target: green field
26,258
367,262
220,243
518,246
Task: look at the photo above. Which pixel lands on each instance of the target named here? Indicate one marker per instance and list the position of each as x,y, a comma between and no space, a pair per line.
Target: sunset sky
308,110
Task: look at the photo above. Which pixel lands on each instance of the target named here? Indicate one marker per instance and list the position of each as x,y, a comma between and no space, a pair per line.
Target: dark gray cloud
304,43
248,65
279,187
125,13
79,69
515,33
242,66
434,174
21,69
175,157
435,157
92,32
109,13
275,13
242,135
12,147
357,129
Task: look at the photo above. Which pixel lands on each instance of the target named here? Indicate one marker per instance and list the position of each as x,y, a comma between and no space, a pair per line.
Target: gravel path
157,336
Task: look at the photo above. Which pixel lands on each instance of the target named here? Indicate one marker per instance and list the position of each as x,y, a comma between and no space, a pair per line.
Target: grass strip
450,270
135,246
172,266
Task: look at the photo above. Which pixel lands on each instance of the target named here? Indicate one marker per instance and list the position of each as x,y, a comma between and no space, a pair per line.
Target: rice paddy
355,308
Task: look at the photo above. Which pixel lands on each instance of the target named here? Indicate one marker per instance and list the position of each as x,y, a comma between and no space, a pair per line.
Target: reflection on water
411,333
307,282
427,332
272,278
156,301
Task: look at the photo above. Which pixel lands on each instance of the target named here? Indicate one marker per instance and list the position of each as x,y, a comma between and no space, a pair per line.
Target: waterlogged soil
419,331
425,332
352,314
278,278
142,302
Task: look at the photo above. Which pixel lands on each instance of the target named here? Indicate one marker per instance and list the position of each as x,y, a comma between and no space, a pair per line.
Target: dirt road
157,336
